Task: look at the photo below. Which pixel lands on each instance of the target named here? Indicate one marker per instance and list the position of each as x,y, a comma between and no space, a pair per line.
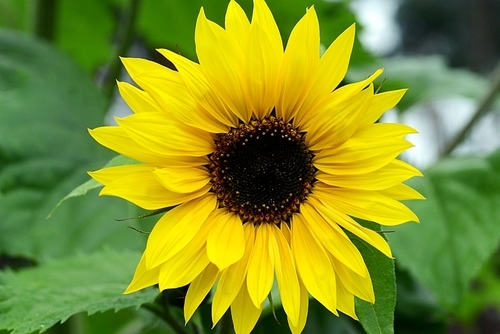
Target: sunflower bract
266,162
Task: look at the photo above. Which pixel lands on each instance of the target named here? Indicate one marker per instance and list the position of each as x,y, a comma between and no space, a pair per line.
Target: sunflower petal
177,228
226,240
260,273
365,204
304,308
202,93
221,61
334,217
232,278
359,286
381,103
300,59
143,278
236,23
286,275
198,290
138,100
137,184
333,240
183,179
313,265
264,51
163,134
360,155
334,124
388,176
243,312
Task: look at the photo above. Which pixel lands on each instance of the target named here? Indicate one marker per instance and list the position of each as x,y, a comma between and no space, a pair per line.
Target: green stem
163,312
42,18
225,325
125,38
482,108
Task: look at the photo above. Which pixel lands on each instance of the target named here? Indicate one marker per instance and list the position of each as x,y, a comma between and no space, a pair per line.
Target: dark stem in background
125,34
225,325
163,312
42,18
482,108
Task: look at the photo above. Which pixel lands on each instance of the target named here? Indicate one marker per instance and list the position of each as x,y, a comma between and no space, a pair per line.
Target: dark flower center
262,170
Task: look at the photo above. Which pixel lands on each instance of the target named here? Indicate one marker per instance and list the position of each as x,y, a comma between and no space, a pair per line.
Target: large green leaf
35,299
377,318
459,225
45,150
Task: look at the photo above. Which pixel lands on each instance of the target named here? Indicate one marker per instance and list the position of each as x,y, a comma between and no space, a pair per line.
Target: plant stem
125,35
42,17
163,312
225,325
482,108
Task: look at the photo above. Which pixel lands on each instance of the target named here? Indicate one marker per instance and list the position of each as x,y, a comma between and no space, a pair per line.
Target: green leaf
459,225
377,318
35,299
45,150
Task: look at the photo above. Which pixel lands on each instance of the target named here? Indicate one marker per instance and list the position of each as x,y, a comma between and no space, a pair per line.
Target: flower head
266,163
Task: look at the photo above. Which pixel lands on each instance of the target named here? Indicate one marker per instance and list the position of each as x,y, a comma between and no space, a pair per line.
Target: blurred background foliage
58,66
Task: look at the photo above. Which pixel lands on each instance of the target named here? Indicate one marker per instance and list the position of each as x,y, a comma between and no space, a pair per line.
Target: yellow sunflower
265,162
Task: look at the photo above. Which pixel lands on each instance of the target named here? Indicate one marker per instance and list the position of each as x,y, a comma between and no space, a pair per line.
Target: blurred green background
58,67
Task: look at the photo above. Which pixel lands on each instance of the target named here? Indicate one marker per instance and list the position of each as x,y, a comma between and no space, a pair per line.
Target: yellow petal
330,72
184,267
313,265
260,273
336,123
359,286
143,277
183,179
381,103
334,217
345,300
401,192
388,176
201,92
335,61
304,308
360,155
286,275
137,184
198,290
263,51
138,100
383,130
232,278
115,138
226,240
177,228
300,60
163,134
173,96
365,204
236,23
244,313
136,67
221,61
333,240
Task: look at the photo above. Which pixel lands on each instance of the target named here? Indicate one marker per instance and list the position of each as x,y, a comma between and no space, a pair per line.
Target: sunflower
265,163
